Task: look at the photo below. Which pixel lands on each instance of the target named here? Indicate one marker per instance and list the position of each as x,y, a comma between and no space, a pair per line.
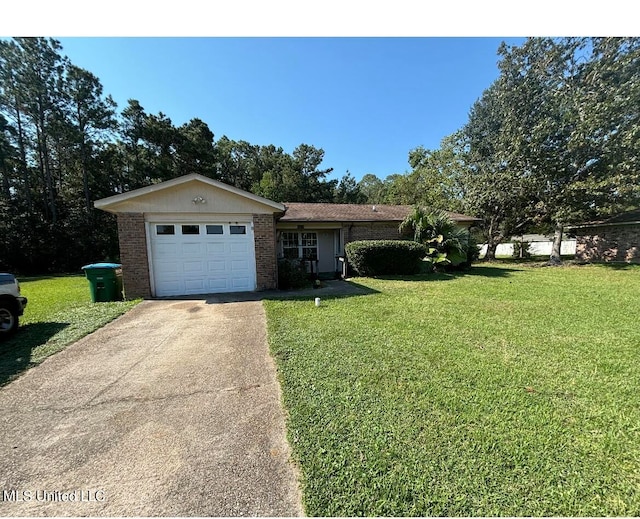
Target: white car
12,304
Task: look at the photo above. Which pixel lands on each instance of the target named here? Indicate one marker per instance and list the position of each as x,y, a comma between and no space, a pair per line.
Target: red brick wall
264,234
133,255
613,243
373,231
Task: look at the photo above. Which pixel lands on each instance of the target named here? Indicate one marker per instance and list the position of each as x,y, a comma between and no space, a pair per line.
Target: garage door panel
192,249
239,248
203,263
240,265
168,287
215,248
216,266
167,267
217,285
164,248
194,286
239,284
191,267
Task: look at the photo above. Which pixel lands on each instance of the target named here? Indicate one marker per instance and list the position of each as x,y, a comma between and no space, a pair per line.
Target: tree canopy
553,141
63,145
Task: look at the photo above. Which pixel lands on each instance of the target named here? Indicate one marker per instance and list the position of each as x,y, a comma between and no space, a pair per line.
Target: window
190,229
237,229
300,245
214,229
290,245
165,229
309,242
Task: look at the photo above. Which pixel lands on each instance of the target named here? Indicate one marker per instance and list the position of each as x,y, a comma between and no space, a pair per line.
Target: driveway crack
130,369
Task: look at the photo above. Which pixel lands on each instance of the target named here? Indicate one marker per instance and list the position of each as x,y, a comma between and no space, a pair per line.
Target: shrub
521,249
382,257
291,274
473,254
447,243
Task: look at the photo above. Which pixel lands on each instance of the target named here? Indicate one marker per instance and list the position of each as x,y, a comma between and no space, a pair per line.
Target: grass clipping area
59,312
506,391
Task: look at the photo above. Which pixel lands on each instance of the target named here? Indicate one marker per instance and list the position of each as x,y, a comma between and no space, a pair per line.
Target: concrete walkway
171,410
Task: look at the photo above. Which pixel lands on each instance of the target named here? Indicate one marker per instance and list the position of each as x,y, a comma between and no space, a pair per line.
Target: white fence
536,248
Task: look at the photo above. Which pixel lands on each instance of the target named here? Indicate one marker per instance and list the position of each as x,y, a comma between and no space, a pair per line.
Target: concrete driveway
173,409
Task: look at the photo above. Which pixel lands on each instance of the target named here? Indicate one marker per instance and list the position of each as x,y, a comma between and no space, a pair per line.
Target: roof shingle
303,212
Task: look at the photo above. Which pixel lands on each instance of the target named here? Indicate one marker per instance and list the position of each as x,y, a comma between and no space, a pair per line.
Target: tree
195,150
493,183
312,181
40,75
435,175
574,132
62,146
92,118
554,139
372,189
347,191
239,162
8,154
294,178
11,104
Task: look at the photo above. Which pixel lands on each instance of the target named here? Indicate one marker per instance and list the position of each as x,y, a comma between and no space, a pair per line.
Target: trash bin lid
102,266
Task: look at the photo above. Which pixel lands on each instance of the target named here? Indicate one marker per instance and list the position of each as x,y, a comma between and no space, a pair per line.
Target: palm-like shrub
447,244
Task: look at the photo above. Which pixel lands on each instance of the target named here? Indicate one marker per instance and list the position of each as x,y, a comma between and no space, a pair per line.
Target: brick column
133,255
264,234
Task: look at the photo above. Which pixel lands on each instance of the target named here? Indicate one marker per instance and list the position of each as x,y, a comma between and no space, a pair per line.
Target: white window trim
300,245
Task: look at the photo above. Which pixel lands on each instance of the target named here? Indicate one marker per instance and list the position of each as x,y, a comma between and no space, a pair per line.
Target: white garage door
202,258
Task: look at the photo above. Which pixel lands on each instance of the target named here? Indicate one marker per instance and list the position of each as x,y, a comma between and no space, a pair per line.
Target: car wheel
8,320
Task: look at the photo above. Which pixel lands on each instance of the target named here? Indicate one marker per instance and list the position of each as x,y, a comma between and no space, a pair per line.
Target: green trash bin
105,281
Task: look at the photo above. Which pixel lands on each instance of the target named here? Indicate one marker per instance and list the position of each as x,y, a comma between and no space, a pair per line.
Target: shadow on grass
44,277
612,265
15,353
331,289
338,289
475,270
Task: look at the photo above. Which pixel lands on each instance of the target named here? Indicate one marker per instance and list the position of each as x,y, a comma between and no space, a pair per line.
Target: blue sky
365,81
366,101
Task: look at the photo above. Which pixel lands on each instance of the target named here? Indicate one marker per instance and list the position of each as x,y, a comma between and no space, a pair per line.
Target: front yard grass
59,312
510,390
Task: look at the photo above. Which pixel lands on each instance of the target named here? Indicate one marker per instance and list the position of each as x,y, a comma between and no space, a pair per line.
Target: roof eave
106,204
602,224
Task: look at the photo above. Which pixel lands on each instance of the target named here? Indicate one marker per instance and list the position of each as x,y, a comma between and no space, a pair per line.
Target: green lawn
59,312
510,390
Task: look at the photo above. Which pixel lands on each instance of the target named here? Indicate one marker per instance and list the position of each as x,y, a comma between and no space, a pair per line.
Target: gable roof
113,203
303,212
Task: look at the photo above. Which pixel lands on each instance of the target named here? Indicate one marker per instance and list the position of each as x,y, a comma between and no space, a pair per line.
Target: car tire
8,319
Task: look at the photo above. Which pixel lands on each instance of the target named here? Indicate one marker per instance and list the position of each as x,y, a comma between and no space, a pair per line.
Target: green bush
291,274
521,249
472,254
384,257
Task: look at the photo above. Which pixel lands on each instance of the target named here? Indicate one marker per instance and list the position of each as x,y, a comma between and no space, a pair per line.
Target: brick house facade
374,231
335,225
616,239
195,235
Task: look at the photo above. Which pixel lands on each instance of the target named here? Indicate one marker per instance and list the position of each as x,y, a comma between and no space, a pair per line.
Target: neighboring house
615,239
195,235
